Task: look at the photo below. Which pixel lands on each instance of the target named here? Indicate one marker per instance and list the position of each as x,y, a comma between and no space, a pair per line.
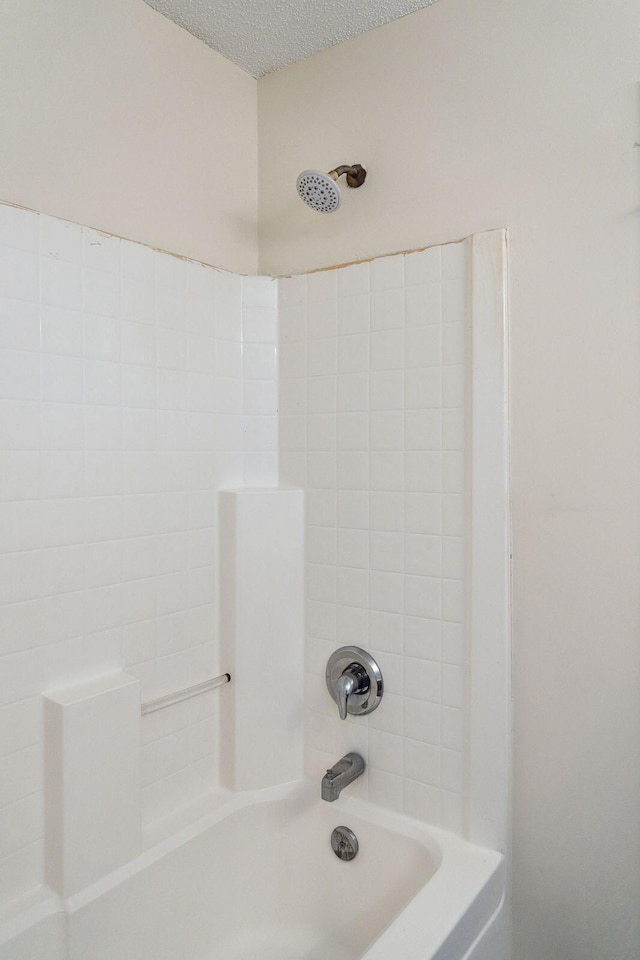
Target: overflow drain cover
344,843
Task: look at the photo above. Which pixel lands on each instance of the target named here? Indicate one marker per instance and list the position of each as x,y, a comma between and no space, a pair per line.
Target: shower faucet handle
354,680
346,683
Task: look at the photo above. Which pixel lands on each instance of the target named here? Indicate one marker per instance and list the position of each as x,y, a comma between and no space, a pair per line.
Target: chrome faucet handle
354,681
345,685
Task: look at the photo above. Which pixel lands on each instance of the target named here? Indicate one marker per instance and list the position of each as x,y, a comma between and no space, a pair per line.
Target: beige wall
509,113
112,116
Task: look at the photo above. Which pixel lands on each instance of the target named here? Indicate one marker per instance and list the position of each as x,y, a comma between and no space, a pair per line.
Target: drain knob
344,843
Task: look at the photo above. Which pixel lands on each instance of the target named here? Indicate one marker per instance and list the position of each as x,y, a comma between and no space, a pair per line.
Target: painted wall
471,116
113,116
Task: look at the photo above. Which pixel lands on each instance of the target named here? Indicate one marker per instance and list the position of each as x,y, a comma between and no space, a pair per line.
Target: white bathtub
257,880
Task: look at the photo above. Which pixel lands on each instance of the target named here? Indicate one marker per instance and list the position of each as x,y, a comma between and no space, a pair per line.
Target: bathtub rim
463,870
441,844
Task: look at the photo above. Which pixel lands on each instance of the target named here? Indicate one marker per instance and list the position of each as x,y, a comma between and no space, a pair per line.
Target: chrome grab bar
169,699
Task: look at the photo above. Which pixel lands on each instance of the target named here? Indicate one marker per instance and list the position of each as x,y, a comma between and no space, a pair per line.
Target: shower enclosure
208,476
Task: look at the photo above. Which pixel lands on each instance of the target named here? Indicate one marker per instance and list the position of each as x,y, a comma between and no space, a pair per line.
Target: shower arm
356,174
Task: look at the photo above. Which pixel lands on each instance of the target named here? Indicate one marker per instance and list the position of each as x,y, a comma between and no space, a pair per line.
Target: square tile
423,266
387,273
387,310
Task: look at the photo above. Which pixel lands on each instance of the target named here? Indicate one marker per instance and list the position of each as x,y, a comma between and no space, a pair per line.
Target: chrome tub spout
344,772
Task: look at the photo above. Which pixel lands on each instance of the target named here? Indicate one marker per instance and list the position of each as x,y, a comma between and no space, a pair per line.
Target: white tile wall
133,384
372,387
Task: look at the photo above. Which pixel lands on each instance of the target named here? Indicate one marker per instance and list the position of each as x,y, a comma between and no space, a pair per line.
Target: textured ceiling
264,35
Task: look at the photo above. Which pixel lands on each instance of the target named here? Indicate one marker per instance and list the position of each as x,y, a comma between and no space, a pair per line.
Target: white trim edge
488,553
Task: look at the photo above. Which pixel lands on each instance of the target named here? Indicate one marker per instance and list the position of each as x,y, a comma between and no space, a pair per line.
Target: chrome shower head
320,190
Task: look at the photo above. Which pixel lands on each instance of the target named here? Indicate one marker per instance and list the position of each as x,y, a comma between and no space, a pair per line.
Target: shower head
320,190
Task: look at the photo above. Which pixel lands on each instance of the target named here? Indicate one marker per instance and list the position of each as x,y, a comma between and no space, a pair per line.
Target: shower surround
372,424
136,386
133,385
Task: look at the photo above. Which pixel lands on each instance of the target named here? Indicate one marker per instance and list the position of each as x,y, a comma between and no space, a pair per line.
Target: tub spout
345,771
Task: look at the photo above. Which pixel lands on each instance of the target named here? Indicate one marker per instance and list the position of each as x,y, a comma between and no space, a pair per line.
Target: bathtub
256,879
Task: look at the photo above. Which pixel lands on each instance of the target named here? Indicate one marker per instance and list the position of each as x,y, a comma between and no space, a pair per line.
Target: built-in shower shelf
186,694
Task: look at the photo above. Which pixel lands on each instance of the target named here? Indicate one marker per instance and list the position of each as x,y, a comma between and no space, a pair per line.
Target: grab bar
167,701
